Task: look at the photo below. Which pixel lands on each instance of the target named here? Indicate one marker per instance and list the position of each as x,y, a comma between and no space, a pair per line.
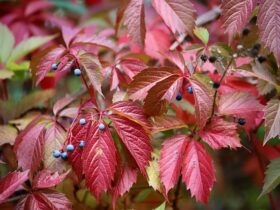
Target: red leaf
76,134
235,14
165,90
166,122
29,145
127,176
54,139
170,161
178,15
135,21
204,96
198,171
63,102
238,103
10,183
99,160
146,79
91,65
44,201
132,111
135,139
269,26
41,63
47,179
220,133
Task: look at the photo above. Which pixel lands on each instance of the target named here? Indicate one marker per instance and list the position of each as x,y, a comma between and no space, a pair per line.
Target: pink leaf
235,14
132,66
204,96
36,6
132,111
269,26
68,34
198,171
45,201
220,133
99,160
10,183
135,139
63,102
170,162
134,19
47,179
178,15
238,103
272,119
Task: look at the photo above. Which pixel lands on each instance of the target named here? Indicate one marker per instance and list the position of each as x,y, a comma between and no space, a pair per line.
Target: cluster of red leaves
111,164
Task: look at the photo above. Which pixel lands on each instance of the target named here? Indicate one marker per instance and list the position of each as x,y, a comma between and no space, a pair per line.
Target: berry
190,90
77,72
204,57
261,59
82,144
212,59
70,148
245,31
241,121
101,126
216,85
56,153
253,20
64,155
257,46
54,66
179,97
83,121
254,52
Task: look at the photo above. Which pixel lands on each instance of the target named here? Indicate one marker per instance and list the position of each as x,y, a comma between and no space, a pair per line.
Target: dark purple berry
216,85
241,121
261,59
245,31
179,97
204,57
212,59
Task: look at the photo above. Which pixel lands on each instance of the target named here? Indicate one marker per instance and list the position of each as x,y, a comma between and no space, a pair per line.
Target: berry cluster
77,71
179,95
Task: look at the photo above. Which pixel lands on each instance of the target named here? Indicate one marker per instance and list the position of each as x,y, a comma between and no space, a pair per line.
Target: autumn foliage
137,104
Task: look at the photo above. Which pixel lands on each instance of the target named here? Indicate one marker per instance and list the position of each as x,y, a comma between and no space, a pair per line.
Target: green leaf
272,177
6,74
28,45
202,34
23,66
7,42
161,207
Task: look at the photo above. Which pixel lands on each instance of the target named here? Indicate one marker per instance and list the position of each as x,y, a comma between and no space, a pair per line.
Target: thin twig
216,90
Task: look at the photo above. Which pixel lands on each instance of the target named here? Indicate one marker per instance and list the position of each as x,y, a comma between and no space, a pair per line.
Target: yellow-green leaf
202,34
7,42
161,207
153,172
6,74
28,45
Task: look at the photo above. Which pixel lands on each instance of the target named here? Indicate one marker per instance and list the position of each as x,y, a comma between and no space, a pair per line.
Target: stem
176,194
216,90
16,198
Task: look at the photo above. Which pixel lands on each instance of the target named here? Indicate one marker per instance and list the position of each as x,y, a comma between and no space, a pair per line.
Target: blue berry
83,121
54,66
241,121
101,126
189,90
70,148
64,155
56,153
77,72
179,97
82,144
